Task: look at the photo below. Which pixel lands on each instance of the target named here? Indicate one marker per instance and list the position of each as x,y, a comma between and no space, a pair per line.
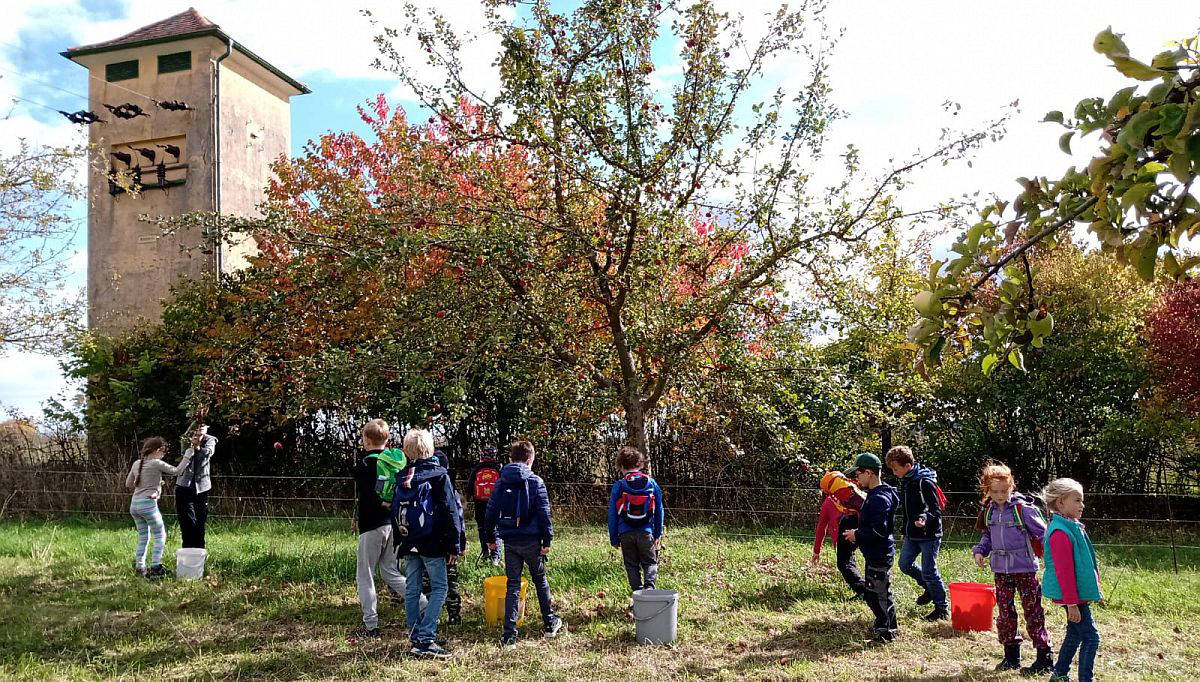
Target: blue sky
895,65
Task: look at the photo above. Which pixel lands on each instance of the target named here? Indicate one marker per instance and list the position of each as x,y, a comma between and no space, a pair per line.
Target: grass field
279,601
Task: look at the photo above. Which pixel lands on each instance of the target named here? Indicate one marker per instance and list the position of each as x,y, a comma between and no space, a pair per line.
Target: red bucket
971,606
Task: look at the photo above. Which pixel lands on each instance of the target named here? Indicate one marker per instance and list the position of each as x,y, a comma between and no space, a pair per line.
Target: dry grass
280,599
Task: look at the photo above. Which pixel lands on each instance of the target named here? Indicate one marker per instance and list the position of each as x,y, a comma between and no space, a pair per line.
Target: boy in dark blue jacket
921,499
635,519
518,512
874,537
428,555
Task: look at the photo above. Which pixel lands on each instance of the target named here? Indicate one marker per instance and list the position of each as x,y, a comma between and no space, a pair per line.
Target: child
519,513
921,498
1072,576
635,519
145,480
482,482
874,537
1010,523
192,487
429,544
848,500
376,550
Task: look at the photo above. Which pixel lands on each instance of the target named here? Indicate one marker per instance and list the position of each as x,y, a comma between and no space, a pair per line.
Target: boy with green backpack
374,482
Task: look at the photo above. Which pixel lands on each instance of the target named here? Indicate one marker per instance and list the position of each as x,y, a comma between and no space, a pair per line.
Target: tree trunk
885,438
635,425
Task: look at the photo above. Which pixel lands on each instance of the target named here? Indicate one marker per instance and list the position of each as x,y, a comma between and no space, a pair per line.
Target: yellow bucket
494,589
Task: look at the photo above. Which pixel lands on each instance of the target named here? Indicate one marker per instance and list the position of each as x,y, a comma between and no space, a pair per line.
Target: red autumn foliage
1174,334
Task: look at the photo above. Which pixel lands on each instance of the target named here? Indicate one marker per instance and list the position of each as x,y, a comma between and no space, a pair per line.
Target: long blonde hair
1059,488
148,446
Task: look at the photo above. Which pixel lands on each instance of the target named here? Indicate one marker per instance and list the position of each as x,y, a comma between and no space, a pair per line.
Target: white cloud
27,379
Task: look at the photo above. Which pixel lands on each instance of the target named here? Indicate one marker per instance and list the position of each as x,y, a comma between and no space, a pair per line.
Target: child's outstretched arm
659,512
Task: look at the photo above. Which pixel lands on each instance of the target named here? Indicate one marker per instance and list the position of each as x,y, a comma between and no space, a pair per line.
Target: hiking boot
508,641
925,598
139,570
553,627
429,650
156,572
1041,665
364,632
1012,657
939,613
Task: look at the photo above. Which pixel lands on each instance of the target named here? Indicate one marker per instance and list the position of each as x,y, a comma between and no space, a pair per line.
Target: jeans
641,559
192,508
927,577
1084,637
879,598
375,551
517,555
422,628
453,595
845,555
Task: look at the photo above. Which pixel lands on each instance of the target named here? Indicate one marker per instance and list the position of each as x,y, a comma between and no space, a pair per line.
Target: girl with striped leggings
145,480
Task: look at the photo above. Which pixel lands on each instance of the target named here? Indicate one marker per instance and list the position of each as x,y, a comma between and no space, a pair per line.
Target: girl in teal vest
1072,576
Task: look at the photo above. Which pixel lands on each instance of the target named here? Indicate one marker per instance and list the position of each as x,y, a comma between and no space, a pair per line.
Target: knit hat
868,460
487,452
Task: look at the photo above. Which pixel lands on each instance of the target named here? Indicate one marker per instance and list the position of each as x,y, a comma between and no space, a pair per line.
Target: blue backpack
412,511
512,502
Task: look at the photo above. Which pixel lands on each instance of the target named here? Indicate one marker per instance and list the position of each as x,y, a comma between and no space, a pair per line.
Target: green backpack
387,464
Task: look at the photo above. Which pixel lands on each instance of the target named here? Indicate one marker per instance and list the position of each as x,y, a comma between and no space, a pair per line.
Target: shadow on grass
974,672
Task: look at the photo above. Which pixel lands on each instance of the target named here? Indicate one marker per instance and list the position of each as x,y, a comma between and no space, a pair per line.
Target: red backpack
485,482
635,506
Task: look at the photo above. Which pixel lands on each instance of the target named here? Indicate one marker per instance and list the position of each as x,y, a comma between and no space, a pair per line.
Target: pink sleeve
822,525
1064,566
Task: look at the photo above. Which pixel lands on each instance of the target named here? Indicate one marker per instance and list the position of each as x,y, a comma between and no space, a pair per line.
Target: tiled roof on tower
184,23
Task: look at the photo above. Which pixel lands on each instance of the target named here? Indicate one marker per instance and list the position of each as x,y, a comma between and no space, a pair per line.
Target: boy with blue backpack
635,519
518,512
429,535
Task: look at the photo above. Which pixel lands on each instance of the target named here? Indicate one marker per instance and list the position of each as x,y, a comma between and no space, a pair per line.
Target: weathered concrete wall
255,131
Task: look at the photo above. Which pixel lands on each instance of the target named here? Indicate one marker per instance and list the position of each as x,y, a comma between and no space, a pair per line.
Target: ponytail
148,446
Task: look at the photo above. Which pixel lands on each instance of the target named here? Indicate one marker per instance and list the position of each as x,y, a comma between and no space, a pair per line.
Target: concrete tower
213,155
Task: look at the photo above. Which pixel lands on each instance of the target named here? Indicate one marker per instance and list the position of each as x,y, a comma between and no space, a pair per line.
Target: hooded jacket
638,484
196,474
370,512
449,535
874,534
1005,541
535,522
918,494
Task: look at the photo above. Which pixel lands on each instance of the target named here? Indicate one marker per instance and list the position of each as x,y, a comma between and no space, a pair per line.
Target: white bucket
655,613
189,563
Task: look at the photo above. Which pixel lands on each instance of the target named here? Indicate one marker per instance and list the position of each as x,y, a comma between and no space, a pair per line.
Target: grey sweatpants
641,559
375,551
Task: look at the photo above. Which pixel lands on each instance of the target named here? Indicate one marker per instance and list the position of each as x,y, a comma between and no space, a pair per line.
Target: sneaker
885,636
925,598
429,650
156,572
939,613
553,627
508,641
139,570
364,632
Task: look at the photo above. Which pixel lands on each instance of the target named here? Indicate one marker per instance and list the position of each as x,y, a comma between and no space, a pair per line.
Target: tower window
176,61
121,71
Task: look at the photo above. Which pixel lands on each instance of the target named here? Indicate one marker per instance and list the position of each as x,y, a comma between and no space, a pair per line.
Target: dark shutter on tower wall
176,61
121,71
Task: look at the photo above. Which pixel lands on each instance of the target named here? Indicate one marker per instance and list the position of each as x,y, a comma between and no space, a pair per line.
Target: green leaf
1120,100
989,363
1017,358
1042,327
1172,120
1168,58
1110,44
1137,70
935,351
1136,195
1053,117
1064,142
1133,134
1181,166
1144,260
